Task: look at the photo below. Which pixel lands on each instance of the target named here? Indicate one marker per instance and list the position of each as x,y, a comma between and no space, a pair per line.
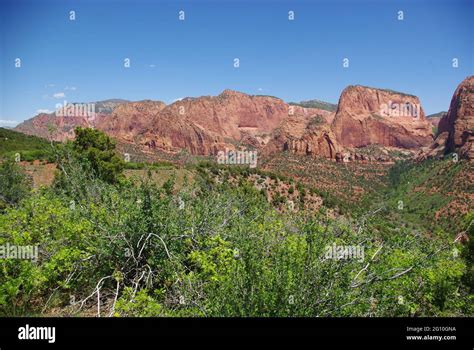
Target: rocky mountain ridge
365,117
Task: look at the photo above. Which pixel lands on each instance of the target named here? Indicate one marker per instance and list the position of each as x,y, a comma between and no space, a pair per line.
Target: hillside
438,115
331,107
437,195
220,240
29,147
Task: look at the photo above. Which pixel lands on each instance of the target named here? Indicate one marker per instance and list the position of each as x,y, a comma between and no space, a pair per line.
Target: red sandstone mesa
367,116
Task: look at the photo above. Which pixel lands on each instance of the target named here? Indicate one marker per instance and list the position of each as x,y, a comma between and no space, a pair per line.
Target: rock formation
434,119
368,116
306,135
459,122
456,128
208,124
202,126
60,125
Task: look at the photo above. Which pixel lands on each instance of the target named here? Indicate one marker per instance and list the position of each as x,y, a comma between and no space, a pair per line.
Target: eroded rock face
172,135
459,122
56,128
232,114
368,116
60,125
236,116
207,125
49,126
306,135
202,126
436,150
434,119
321,143
130,119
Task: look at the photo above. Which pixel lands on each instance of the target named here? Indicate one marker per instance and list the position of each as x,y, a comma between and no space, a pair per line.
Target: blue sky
169,59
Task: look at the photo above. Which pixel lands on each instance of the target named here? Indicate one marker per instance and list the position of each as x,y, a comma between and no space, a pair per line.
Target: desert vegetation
221,241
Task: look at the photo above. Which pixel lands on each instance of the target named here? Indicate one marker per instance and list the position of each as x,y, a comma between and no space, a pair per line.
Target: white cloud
152,66
8,122
177,99
72,88
59,95
49,85
260,89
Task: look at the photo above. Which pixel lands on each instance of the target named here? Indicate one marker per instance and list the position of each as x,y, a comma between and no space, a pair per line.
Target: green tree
98,150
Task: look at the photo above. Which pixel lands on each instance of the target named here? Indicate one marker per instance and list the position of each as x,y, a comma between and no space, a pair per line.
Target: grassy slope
433,195
29,147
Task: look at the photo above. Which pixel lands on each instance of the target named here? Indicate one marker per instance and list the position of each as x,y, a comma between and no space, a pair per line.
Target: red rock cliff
367,116
458,123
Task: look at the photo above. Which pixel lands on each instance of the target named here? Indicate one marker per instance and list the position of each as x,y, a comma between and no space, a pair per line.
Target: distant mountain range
436,117
316,104
205,125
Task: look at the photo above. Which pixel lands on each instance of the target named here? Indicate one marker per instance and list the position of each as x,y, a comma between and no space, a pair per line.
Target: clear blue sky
170,59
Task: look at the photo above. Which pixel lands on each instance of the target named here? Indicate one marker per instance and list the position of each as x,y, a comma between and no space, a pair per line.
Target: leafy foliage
98,150
219,248
14,184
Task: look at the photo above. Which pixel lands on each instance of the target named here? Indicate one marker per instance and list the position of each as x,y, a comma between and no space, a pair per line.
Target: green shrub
14,184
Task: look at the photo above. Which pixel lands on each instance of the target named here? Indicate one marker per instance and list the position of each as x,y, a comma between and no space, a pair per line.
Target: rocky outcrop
459,122
172,135
467,150
130,119
317,143
306,135
434,119
456,128
237,116
209,124
52,127
60,125
205,125
436,150
368,116
202,126
365,116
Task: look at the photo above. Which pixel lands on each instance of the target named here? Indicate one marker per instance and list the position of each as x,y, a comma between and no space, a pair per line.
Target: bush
14,184
97,150
211,249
